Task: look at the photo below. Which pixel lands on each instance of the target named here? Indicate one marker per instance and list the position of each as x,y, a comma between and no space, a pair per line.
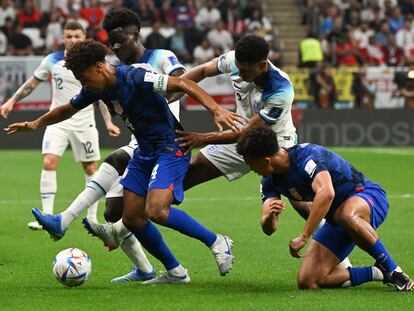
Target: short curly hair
258,142
122,17
84,55
251,49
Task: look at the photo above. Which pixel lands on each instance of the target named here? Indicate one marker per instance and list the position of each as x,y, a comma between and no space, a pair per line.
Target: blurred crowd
196,30
363,32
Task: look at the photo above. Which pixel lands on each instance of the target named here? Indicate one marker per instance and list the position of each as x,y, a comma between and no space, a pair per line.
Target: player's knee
133,222
306,282
346,218
89,168
119,160
157,213
49,164
113,209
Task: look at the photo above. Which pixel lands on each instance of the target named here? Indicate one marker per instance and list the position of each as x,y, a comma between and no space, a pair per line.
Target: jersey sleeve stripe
174,68
38,79
266,118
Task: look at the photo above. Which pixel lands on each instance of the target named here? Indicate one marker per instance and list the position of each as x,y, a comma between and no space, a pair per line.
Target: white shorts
85,143
117,190
230,163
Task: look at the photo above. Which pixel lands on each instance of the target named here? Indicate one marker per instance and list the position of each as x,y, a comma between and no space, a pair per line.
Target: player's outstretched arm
56,115
21,93
202,71
324,195
221,116
194,139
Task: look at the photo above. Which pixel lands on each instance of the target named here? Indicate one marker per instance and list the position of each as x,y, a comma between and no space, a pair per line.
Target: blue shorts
337,239
162,171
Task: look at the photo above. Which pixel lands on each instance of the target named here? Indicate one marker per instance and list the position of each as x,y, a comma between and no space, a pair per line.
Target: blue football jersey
306,161
138,98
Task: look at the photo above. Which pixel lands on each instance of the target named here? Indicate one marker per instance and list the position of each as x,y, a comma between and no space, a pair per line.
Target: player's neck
261,80
281,162
140,51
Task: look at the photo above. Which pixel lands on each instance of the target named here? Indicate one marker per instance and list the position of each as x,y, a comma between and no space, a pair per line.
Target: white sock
320,225
48,188
346,284
93,209
398,269
96,189
177,271
377,274
133,249
121,230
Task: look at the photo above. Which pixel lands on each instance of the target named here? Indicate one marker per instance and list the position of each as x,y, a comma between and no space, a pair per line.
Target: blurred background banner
14,71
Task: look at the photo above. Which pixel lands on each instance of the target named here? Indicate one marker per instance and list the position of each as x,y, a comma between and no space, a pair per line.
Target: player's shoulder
55,57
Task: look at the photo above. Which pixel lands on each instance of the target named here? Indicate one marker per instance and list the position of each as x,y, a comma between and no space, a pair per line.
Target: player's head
257,146
73,33
251,57
86,59
123,27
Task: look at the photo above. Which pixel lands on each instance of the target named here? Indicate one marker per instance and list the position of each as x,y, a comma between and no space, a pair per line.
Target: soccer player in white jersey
123,27
79,131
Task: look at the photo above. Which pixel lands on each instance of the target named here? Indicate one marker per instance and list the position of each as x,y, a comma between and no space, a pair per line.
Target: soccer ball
72,267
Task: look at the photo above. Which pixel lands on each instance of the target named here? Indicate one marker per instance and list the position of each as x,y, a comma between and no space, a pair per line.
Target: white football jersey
273,101
64,87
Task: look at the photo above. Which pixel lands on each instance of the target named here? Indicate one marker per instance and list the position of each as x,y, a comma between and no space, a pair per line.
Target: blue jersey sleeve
148,80
84,99
267,189
310,168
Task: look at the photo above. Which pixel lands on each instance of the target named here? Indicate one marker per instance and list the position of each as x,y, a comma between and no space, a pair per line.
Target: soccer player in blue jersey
353,206
154,177
123,28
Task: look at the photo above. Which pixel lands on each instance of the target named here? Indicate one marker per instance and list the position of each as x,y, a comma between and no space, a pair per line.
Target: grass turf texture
263,276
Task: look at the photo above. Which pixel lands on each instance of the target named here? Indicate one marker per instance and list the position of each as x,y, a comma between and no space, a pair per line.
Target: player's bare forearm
25,89
271,210
324,195
202,71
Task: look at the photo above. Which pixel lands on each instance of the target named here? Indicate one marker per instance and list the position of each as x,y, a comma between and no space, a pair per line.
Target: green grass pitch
263,276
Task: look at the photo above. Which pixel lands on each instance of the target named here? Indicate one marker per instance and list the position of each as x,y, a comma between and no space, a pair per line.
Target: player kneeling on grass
353,206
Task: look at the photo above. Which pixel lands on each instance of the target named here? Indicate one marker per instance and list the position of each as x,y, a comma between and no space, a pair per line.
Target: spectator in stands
362,35
74,15
168,29
405,37
363,90
405,83
203,52
396,21
147,12
6,10
3,43
19,43
54,31
322,87
375,55
29,14
310,51
114,5
258,24
8,29
347,51
177,45
184,13
167,12
94,13
328,22
236,24
220,37
393,54
249,7
156,40
354,20
378,20
207,16
382,36
193,37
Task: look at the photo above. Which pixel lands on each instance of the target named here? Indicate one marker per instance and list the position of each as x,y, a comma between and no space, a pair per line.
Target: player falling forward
154,177
353,206
79,131
123,27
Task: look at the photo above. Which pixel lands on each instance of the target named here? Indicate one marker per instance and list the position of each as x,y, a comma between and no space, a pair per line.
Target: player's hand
190,140
273,207
225,117
296,245
113,130
20,127
6,108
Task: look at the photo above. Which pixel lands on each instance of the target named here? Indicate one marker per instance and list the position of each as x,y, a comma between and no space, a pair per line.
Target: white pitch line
406,196
400,152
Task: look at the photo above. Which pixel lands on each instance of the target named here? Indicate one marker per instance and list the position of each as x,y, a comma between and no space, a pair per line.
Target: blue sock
150,237
360,275
380,253
184,223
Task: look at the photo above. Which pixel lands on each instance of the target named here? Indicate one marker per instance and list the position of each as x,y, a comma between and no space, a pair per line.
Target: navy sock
150,237
184,223
380,253
360,275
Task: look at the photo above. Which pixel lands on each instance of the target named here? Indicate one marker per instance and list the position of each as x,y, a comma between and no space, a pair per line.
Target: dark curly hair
251,49
121,18
84,55
258,142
